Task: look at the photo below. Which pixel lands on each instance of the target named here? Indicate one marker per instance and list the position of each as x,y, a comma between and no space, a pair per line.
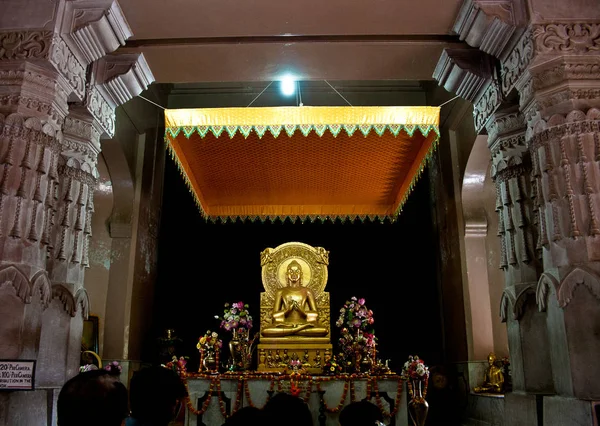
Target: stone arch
483,284
82,299
10,274
520,301
121,181
66,298
544,285
578,276
16,119
508,299
41,280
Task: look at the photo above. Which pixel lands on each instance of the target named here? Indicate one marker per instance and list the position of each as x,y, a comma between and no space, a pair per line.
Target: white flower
420,370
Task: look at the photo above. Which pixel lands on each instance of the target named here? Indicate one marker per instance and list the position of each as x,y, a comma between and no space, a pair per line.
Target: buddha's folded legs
306,329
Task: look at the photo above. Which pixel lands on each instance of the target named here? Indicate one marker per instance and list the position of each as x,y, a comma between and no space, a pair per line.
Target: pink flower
361,301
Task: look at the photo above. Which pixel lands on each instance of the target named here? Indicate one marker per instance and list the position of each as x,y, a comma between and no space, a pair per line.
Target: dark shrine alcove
202,265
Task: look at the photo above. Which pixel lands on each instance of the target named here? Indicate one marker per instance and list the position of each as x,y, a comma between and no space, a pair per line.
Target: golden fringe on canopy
337,162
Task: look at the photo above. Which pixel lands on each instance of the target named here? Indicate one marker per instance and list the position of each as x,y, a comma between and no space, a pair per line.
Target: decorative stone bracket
486,24
94,28
117,78
464,72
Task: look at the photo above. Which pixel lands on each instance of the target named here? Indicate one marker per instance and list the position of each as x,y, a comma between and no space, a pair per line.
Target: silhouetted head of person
93,398
286,409
360,413
156,395
245,416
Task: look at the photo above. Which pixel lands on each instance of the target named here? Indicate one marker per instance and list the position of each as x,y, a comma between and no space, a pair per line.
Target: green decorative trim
426,161
186,178
290,129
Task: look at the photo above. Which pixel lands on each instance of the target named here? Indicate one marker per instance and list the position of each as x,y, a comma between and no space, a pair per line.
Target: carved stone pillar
54,107
33,105
551,62
563,85
520,258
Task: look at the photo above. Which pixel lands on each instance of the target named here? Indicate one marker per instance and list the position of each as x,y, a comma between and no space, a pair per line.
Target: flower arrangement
235,317
177,365
87,367
417,375
415,369
355,315
332,366
209,346
210,342
113,368
357,338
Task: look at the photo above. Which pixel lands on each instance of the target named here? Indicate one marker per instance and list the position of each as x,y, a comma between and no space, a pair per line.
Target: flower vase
210,361
241,351
365,363
417,406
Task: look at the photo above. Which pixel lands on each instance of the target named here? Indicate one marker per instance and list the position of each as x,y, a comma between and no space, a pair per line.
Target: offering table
212,397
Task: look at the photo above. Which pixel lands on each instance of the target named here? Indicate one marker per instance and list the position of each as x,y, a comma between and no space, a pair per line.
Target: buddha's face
491,359
294,274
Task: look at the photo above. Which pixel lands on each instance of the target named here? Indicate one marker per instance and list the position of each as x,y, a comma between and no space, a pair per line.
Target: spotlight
288,85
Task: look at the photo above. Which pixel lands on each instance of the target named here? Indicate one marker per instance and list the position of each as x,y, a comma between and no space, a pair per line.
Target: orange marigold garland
247,392
295,388
342,400
206,402
375,389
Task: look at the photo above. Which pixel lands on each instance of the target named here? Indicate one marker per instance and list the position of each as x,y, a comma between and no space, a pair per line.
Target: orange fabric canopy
301,162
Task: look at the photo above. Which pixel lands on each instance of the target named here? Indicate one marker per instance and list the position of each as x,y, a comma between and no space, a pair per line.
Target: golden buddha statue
493,379
295,308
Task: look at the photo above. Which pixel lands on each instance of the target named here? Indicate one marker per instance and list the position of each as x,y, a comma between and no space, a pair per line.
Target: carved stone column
551,62
520,257
54,107
33,105
564,136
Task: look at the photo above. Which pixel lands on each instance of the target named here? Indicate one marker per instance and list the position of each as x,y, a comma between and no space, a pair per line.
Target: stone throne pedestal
275,353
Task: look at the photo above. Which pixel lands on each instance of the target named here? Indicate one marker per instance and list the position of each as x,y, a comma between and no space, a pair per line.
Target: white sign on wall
16,374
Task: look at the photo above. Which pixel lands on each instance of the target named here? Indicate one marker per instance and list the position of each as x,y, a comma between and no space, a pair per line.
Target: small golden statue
295,308
493,379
